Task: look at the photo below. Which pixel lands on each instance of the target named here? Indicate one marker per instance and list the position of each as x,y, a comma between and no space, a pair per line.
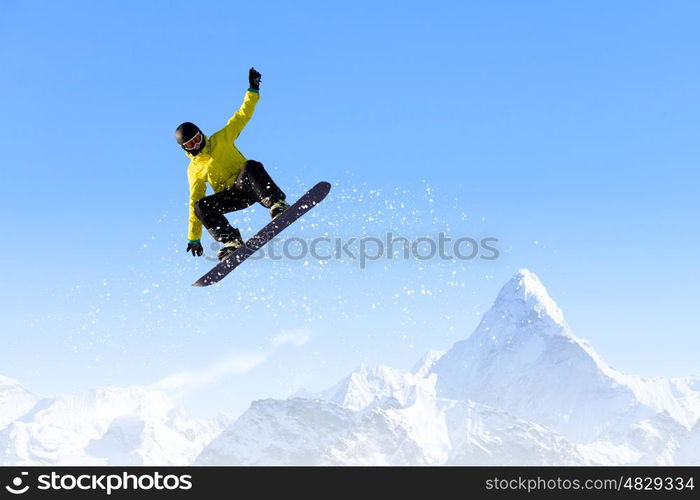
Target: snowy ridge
116,426
689,450
304,431
15,400
426,363
369,386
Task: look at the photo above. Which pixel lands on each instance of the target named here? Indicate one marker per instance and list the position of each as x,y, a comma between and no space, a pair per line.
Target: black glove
195,248
254,79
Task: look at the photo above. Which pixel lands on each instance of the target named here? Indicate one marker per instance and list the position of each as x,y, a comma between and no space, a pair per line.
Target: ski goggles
194,143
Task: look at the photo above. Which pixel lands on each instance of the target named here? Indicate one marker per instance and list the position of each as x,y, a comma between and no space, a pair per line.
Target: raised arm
245,112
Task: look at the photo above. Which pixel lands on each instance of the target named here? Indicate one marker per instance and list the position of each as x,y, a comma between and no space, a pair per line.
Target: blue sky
568,131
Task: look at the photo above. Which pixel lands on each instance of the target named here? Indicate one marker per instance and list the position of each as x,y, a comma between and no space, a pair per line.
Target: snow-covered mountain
117,426
522,389
524,348
15,400
426,363
688,452
372,385
425,430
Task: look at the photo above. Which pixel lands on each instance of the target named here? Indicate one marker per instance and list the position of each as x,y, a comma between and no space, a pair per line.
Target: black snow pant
252,185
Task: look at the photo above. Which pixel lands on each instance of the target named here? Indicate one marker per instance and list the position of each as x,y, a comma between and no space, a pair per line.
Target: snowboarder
237,182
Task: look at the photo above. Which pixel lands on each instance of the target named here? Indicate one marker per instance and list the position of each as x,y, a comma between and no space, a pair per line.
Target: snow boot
278,208
229,247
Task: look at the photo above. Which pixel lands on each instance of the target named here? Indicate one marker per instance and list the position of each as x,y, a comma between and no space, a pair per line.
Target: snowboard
309,200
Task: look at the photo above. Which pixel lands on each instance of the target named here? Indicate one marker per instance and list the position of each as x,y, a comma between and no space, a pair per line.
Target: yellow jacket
219,162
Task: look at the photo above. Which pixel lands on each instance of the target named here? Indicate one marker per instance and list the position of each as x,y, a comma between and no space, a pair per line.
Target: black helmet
185,132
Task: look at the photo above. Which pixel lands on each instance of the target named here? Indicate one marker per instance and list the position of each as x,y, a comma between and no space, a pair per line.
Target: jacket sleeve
198,189
236,123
